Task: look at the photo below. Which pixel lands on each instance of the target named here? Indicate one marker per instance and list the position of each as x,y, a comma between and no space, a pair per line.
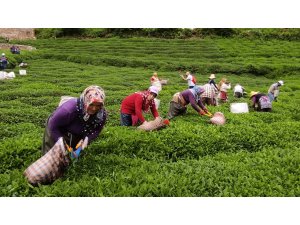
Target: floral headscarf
91,95
146,104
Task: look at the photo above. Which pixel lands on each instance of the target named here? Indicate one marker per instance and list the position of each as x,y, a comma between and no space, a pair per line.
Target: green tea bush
253,154
249,33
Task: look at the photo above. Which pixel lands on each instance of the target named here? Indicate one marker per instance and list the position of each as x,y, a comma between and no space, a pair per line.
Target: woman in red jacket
133,106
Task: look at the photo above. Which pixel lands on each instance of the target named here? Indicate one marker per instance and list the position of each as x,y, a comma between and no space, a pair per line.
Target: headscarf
197,91
222,81
90,95
146,105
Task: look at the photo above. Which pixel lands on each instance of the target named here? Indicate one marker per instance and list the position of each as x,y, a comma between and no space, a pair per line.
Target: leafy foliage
185,33
254,154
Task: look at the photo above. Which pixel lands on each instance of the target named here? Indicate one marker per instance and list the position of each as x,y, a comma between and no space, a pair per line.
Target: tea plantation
253,154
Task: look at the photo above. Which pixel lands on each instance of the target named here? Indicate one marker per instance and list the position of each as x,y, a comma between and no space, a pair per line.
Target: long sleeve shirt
238,88
209,91
190,80
212,82
65,119
255,99
189,98
133,105
273,88
3,60
225,87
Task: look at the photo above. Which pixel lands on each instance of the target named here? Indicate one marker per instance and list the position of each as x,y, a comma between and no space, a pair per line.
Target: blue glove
76,153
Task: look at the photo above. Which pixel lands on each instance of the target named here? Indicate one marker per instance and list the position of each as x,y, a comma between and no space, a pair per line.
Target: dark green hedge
270,33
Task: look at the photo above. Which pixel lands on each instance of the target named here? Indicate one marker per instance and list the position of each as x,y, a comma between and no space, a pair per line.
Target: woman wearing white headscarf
155,81
273,91
133,106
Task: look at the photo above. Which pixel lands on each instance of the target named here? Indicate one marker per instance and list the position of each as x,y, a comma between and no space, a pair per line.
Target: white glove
85,143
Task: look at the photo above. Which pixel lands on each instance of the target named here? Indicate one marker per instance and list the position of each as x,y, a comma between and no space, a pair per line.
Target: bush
185,33
94,32
258,69
43,33
170,33
289,34
223,32
2,40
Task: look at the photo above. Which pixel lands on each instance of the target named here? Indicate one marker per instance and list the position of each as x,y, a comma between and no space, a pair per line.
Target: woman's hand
85,142
201,112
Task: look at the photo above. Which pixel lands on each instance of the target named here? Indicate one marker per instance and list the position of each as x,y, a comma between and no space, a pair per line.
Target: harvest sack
11,75
218,119
3,75
265,102
164,82
157,102
239,108
64,99
49,167
156,124
157,84
23,65
194,80
22,72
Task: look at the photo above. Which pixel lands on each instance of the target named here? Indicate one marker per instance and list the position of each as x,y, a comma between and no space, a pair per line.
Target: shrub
223,32
48,32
